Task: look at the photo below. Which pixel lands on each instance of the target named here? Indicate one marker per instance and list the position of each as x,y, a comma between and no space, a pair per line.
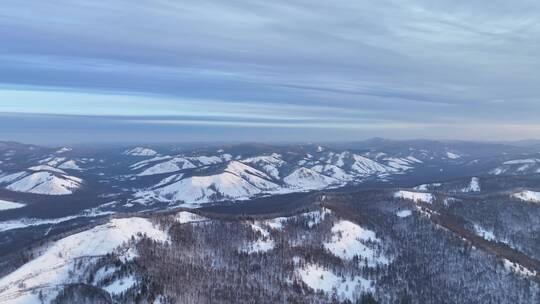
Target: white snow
202,189
173,165
317,216
70,165
314,218
260,245
28,222
6,205
474,186
11,177
399,163
484,233
497,171
348,241
46,168
103,273
52,161
332,171
63,150
414,159
44,182
528,196
404,213
226,157
345,288
276,223
268,163
426,187
145,162
522,161
170,179
365,166
50,270
519,269
255,177
160,168
263,244
206,160
121,285
415,196
184,217
140,151
308,179
451,155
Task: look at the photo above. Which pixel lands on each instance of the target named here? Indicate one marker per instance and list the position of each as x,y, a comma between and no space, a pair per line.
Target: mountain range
306,223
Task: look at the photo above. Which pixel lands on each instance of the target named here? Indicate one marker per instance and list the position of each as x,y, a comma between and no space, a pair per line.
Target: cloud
388,62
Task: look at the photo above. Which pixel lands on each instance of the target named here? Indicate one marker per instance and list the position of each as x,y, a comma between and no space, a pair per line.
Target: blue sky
80,71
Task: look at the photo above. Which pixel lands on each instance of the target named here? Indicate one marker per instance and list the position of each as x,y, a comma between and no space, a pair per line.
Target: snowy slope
349,240
184,217
207,179
518,167
365,166
6,205
169,165
528,196
255,177
474,186
140,151
404,213
63,150
451,155
45,182
414,196
173,165
320,279
332,171
236,181
427,187
355,164
70,165
308,179
49,271
270,164
12,177
202,189
46,168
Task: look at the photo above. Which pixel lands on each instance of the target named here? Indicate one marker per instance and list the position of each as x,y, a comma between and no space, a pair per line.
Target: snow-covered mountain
236,181
522,166
528,196
213,178
89,251
53,267
41,179
140,151
117,234
320,254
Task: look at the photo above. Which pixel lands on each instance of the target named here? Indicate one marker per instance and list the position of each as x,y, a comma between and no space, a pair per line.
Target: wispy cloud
284,64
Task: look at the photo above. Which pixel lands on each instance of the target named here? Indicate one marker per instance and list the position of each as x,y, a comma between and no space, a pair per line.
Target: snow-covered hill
80,257
518,167
41,180
204,179
140,151
528,196
6,205
54,266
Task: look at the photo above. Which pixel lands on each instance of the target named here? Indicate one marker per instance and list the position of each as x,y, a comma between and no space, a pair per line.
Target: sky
281,70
